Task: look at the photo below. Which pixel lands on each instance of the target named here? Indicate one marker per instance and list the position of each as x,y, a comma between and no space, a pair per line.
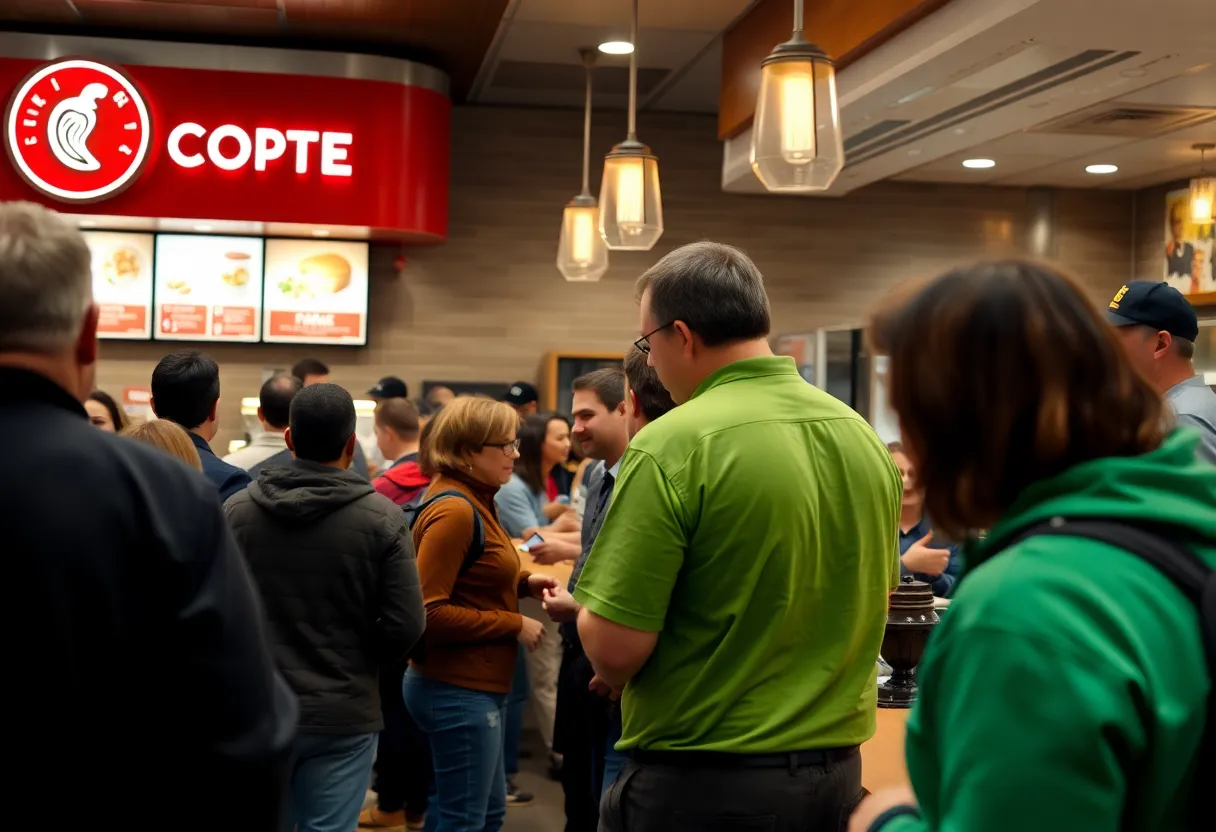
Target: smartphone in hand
530,542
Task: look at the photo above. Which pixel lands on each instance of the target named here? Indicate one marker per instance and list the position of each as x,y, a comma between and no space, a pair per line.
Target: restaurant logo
78,130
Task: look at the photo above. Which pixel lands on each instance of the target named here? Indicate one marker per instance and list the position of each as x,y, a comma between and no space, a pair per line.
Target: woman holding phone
456,688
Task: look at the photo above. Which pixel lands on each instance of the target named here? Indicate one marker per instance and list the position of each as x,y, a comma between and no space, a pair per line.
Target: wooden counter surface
561,571
882,758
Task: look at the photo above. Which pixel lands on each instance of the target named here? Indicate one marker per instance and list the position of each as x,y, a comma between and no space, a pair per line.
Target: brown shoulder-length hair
1004,374
169,437
464,426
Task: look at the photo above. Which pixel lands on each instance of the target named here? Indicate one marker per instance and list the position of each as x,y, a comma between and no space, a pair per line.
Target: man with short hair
439,395
149,686
335,565
274,408
397,432
524,398
186,390
310,371
737,591
1158,328
606,414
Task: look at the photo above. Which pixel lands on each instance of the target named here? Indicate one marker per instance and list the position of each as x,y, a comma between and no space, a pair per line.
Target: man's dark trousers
682,794
580,735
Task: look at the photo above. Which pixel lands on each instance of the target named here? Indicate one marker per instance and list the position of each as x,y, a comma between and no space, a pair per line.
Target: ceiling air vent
1113,119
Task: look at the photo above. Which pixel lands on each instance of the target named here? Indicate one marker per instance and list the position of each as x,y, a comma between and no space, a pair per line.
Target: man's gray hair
715,289
46,284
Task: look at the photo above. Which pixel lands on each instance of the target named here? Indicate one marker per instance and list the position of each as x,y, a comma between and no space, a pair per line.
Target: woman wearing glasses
456,687
544,442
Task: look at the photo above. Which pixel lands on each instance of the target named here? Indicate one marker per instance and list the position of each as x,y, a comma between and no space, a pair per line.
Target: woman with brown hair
1064,689
169,437
104,412
456,688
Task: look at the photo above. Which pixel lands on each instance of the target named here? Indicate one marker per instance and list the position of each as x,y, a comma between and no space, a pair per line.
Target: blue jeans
517,700
465,730
328,781
613,759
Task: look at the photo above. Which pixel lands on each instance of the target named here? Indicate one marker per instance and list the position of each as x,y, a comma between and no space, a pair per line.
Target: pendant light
1203,191
582,254
796,139
631,206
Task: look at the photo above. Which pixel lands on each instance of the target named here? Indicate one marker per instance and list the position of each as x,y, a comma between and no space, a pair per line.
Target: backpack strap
1158,545
476,546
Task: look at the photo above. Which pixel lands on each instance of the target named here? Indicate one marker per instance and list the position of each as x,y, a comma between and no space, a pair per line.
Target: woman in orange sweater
456,687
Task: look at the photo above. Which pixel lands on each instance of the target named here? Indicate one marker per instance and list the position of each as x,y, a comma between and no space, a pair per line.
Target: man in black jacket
335,563
141,689
186,390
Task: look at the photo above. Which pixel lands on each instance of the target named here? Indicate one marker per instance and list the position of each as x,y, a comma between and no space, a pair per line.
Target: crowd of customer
250,642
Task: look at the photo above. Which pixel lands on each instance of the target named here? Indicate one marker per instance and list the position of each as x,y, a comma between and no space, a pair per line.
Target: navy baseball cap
521,393
1158,305
389,387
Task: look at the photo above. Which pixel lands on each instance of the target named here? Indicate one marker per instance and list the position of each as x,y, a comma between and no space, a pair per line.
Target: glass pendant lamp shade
631,204
582,254
797,145
1203,200
1203,190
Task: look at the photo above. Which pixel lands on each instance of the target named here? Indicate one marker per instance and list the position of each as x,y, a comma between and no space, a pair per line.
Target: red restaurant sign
153,141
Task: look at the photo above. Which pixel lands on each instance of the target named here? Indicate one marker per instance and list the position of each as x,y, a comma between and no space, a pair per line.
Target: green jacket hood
1170,485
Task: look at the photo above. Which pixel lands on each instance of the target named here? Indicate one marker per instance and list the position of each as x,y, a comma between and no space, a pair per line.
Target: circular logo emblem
78,130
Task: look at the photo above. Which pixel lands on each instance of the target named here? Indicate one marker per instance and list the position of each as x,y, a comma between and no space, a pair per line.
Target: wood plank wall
489,303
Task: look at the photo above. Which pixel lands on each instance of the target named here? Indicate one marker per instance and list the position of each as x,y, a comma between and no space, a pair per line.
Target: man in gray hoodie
335,564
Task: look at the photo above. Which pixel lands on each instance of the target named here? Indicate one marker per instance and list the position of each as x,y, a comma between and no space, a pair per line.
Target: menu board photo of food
122,283
316,292
208,288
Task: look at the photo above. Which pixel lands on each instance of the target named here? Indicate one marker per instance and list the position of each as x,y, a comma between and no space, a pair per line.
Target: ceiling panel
451,34
212,18
698,15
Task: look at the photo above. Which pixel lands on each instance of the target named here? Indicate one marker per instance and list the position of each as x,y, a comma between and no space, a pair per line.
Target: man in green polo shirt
737,591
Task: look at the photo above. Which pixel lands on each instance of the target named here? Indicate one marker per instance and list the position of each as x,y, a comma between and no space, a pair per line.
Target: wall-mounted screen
316,292
122,283
208,288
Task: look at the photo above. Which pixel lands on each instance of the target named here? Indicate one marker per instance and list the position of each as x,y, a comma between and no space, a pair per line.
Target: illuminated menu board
122,283
316,292
208,288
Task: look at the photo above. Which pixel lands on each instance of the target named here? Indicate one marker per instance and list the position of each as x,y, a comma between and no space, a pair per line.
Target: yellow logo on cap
1114,304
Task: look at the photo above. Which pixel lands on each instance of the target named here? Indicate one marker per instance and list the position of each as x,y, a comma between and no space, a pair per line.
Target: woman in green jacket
1067,687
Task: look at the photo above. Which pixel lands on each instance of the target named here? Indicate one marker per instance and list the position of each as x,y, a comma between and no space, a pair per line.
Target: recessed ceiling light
978,163
203,228
1101,169
616,47
916,151
958,131
320,232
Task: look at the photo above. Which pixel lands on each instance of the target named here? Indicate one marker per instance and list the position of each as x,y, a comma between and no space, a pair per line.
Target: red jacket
402,482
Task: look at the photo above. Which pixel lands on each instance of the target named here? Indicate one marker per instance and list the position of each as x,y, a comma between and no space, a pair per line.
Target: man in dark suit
141,684
186,390
609,407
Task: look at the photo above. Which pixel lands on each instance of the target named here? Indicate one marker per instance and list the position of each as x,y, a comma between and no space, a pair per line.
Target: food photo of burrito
317,275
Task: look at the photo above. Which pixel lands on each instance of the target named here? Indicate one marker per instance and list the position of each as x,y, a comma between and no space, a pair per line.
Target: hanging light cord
797,18
588,60
633,75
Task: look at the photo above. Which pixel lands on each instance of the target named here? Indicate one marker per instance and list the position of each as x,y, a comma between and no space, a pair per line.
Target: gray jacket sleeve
402,613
